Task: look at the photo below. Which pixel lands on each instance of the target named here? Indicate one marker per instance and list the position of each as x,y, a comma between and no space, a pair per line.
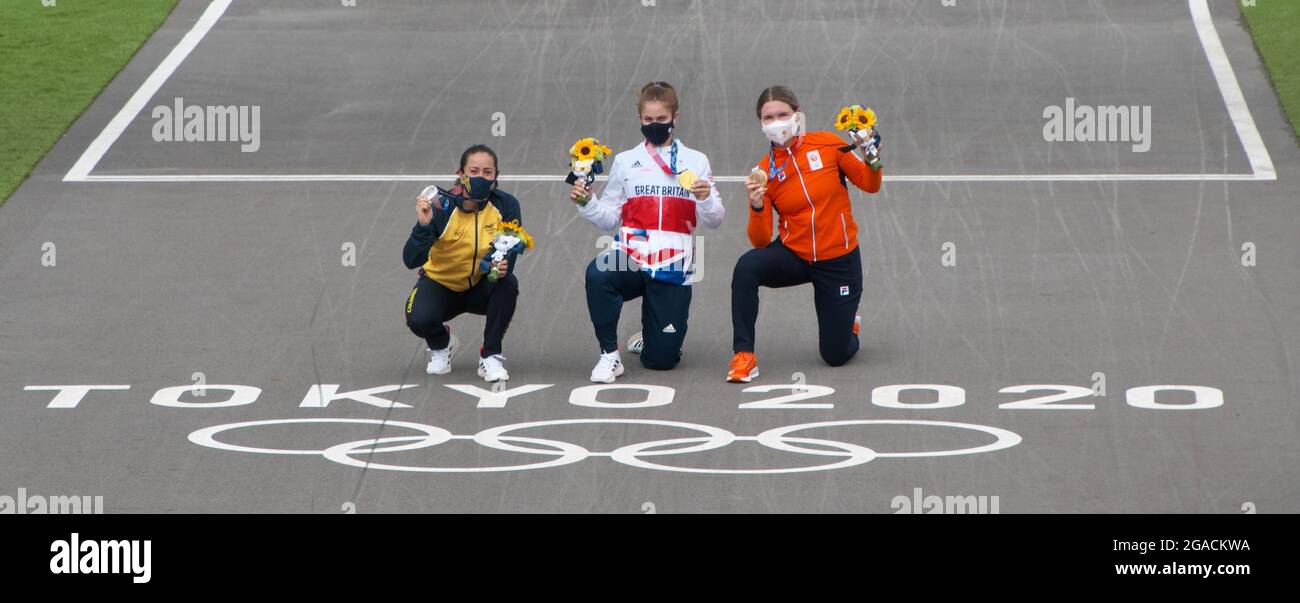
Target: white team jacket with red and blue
658,216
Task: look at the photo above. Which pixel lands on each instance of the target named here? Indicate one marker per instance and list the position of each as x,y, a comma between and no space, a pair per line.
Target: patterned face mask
474,192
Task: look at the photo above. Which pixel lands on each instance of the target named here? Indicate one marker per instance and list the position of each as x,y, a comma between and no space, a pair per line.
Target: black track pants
837,289
431,304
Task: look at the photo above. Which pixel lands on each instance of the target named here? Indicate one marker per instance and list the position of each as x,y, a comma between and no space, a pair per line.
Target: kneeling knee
836,357
660,362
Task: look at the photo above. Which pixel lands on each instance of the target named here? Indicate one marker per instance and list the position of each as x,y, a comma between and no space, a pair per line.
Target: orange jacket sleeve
760,222
859,173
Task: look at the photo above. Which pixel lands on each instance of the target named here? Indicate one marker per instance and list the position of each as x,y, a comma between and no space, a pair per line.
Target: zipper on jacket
653,271
810,203
473,266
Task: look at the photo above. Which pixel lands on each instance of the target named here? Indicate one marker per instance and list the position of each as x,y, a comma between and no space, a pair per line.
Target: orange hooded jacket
814,217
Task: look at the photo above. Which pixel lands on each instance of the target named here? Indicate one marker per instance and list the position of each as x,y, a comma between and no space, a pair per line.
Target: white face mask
780,131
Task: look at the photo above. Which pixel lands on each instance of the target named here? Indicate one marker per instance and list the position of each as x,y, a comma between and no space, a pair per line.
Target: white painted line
82,168
1072,178
1260,161
559,178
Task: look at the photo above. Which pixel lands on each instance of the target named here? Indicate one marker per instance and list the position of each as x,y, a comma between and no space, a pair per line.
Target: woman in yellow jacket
453,234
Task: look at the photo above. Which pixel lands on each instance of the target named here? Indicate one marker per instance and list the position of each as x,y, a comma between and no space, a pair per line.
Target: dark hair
657,91
476,149
775,93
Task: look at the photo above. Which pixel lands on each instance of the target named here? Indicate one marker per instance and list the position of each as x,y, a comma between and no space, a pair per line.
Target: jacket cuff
422,231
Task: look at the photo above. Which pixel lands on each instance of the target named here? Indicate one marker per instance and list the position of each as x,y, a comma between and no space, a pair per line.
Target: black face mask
475,195
480,188
657,133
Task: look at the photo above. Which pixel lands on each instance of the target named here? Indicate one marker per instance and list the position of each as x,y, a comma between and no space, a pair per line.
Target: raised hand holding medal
697,186
756,184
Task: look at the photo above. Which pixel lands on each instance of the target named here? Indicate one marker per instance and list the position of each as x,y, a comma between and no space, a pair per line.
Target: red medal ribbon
660,160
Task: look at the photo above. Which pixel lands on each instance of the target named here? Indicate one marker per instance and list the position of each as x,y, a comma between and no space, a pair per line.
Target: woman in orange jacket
816,239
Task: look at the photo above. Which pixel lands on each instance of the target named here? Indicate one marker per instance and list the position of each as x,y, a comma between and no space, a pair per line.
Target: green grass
1275,25
54,60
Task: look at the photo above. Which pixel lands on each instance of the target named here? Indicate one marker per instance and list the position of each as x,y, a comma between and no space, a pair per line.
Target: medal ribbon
659,160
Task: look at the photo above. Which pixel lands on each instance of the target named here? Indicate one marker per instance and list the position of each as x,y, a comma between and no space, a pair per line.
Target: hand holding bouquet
586,159
510,238
860,122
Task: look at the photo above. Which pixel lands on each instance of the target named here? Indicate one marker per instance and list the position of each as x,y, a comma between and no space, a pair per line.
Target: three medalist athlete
817,239
657,193
659,190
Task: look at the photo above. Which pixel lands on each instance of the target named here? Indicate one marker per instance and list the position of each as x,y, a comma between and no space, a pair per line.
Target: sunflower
585,148
514,228
863,118
845,118
589,148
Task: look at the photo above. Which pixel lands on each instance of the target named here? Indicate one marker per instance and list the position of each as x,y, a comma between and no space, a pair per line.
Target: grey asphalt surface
242,281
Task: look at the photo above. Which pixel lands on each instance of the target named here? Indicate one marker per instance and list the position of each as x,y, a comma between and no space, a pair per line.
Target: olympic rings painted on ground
566,453
207,435
1005,439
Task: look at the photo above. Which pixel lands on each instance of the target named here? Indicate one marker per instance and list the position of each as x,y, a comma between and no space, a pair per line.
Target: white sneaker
635,343
492,369
440,360
607,368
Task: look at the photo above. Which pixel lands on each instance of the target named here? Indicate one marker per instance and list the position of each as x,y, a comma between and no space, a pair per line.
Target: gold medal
687,179
757,176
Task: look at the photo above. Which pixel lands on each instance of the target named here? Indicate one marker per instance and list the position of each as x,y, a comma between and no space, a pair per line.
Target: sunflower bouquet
860,122
509,238
586,158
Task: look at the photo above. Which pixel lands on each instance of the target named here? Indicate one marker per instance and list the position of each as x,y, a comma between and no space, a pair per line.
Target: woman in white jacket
659,191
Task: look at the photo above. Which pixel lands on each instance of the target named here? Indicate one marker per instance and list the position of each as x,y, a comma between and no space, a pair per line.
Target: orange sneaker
857,323
744,368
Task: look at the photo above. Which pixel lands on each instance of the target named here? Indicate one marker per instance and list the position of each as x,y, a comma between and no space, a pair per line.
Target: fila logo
844,290
670,329
781,176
